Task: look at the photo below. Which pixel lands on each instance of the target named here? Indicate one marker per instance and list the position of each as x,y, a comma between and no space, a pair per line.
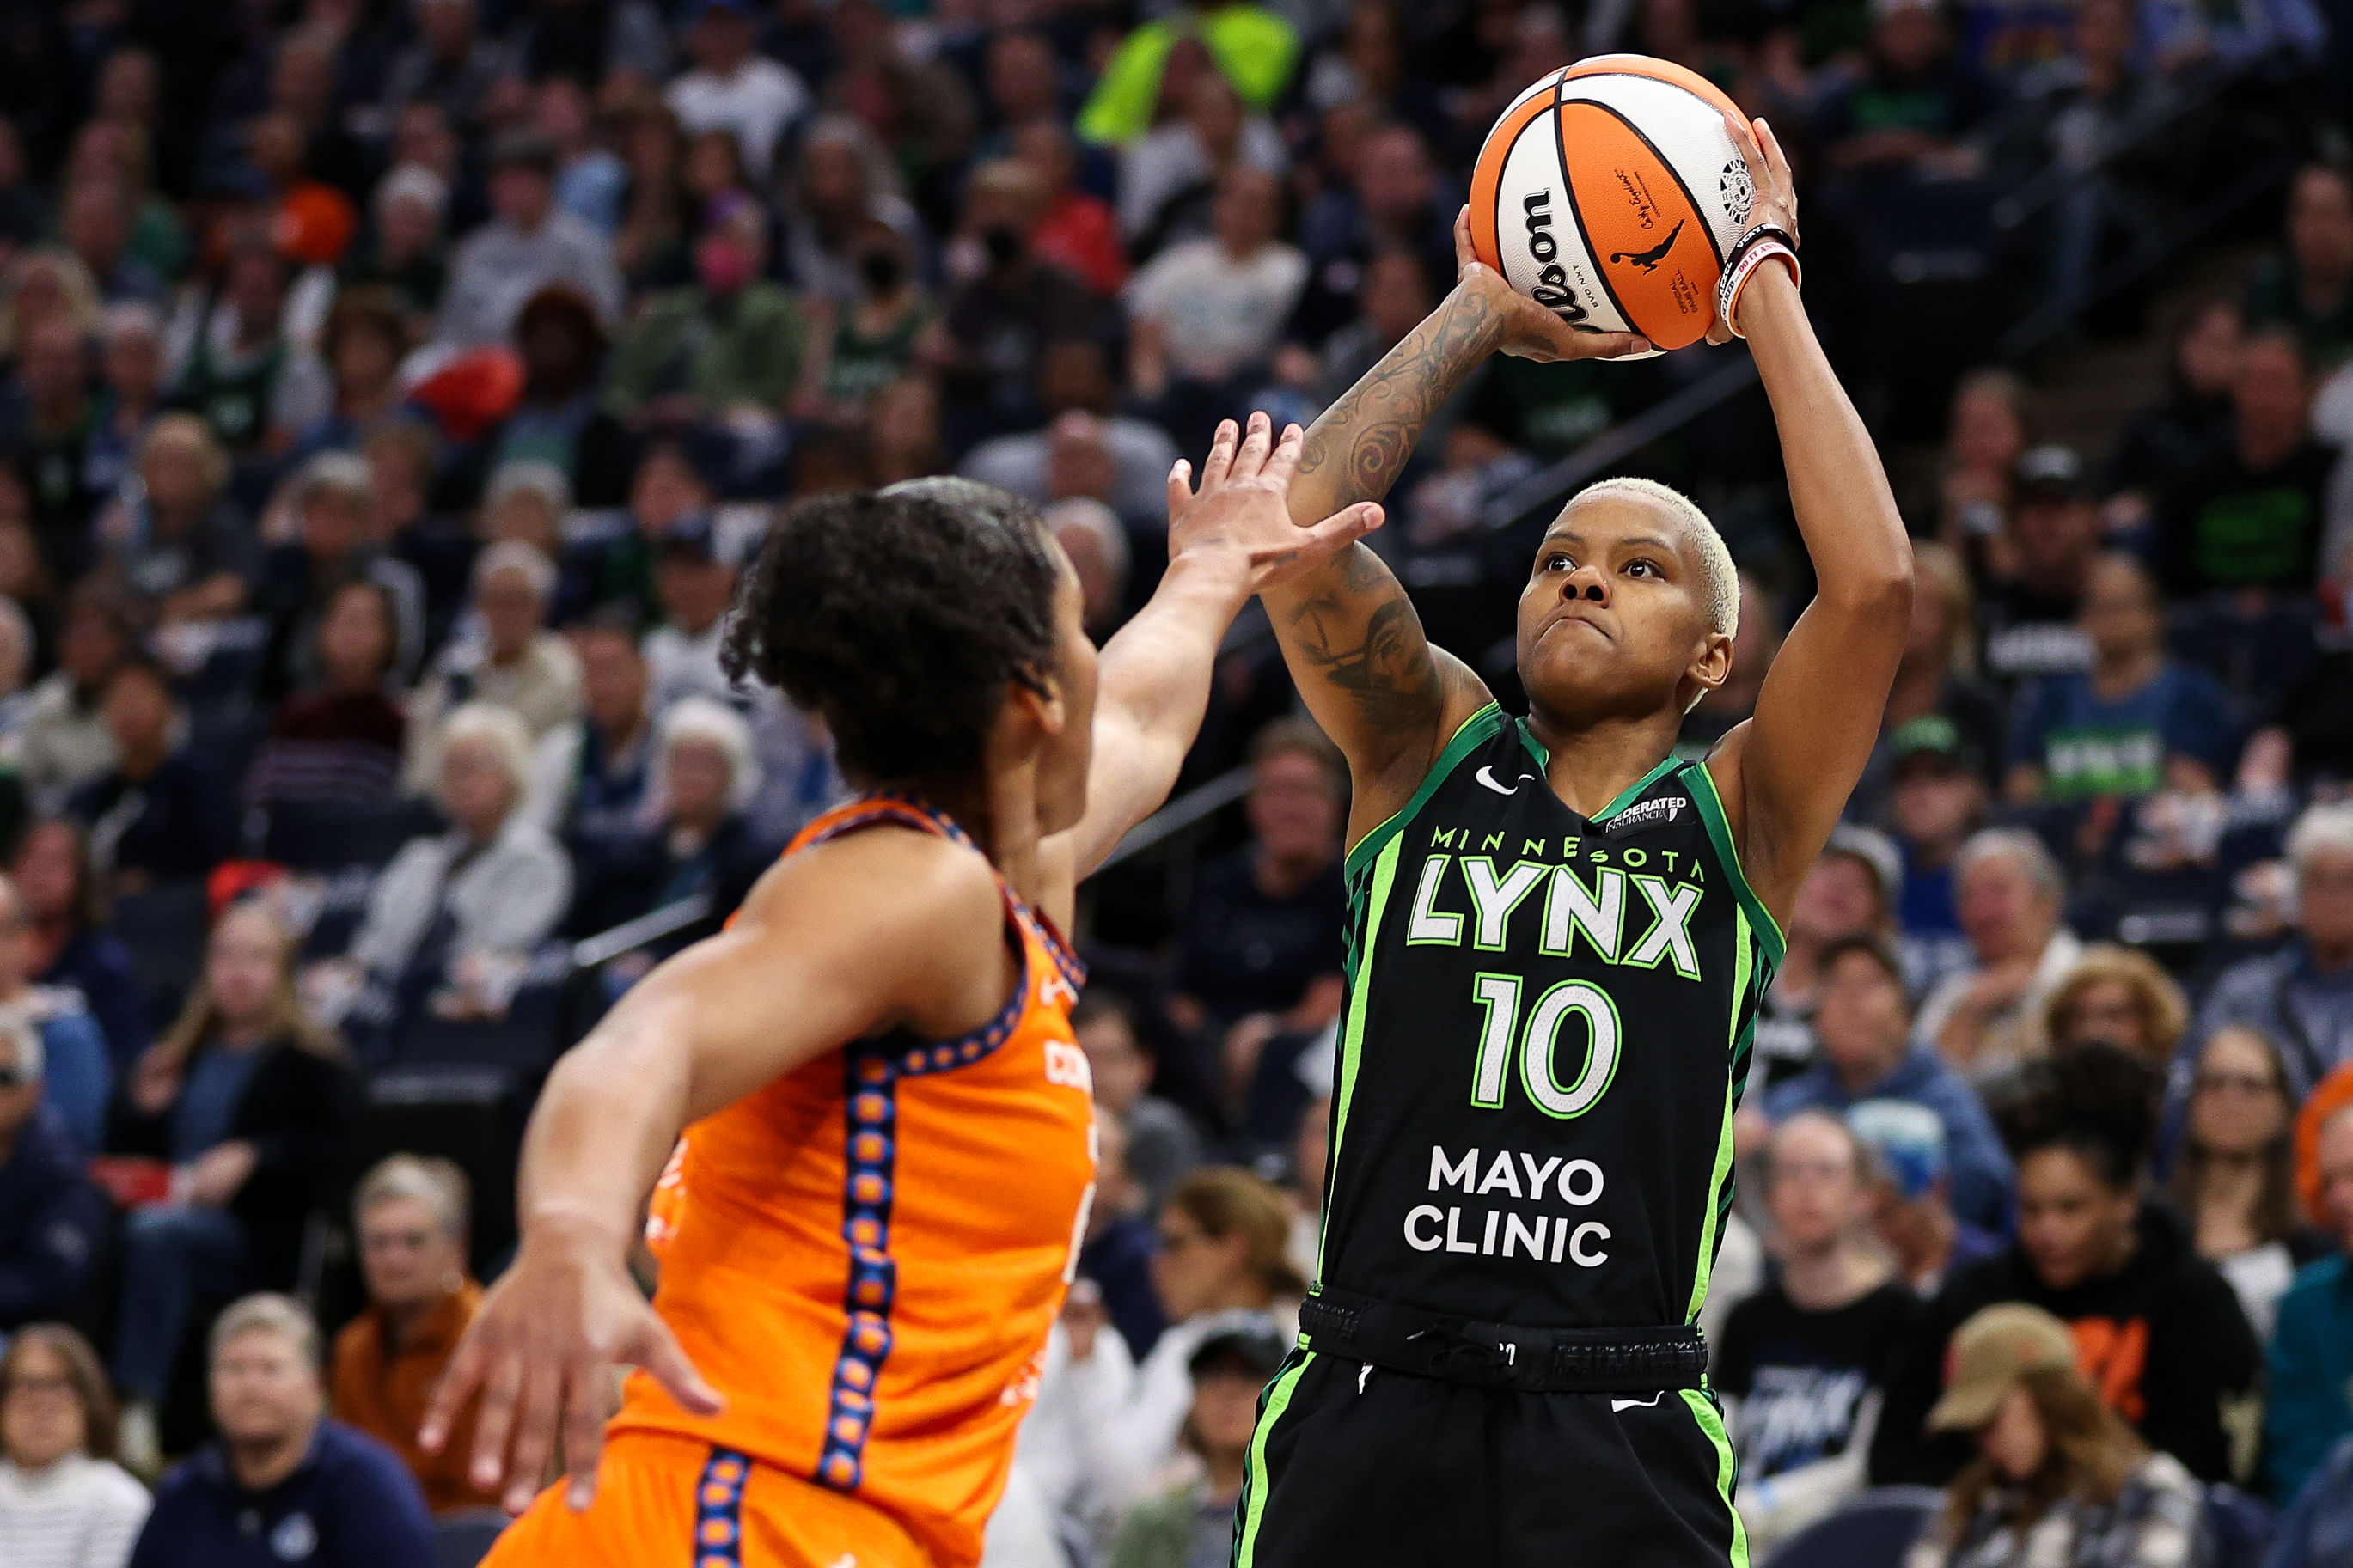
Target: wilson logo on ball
1552,288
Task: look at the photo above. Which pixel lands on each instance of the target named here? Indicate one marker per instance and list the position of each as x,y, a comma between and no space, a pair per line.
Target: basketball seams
1576,213
1715,247
1706,211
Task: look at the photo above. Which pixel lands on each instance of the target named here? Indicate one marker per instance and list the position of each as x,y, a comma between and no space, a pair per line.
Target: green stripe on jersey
1703,1408
1476,730
1360,983
1626,797
1702,784
1744,951
1254,1476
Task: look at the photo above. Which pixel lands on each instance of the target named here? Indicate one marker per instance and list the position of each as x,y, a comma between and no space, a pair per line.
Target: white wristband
1744,267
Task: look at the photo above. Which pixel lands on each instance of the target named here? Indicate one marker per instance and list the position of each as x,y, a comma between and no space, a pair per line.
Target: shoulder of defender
888,881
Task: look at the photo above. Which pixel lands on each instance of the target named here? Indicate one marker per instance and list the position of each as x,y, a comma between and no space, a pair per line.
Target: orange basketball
1611,192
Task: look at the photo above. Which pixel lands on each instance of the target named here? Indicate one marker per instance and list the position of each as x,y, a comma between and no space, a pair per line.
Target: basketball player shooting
1558,938
869,1227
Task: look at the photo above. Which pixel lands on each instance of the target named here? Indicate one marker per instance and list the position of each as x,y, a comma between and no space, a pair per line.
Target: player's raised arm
833,943
1785,774
1230,539
1348,632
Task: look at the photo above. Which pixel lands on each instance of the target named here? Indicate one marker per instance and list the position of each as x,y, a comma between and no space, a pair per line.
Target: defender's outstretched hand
542,1351
1241,508
1531,331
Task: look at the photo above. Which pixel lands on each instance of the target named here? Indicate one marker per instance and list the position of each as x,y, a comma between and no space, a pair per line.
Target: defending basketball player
868,1226
1558,937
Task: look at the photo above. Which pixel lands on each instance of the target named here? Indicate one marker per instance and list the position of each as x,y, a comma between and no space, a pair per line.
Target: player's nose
1587,582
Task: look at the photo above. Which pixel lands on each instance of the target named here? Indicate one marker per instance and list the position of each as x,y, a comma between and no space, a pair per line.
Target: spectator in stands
734,89
452,917
1391,204
1223,1264
2234,1177
64,1502
283,1482
1938,676
2038,567
1867,1054
94,219
590,777
50,420
450,65
2158,1332
529,245
2251,512
1990,1015
701,845
52,1221
589,178
1194,1519
1077,231
402,251
1074,378
2300,998
2136,722
2120,995
1163,1145
338,743
2310,1408
1913,101
512,661
242,375
1937,798
1166,178
72,950
331,501
728,345
861,346
1211,311
1850,892
73,1063
410,1218
156,817
2308,286
244,1099
998,322
1258,959
693,584
1803,1361
1911,1194
1096,546
1115,1262
2315,1529
2058,1476
180,550
362,343
559,419
2161,441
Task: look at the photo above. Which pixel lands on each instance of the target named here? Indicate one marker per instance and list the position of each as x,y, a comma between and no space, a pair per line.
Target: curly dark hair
900,616
2097,1100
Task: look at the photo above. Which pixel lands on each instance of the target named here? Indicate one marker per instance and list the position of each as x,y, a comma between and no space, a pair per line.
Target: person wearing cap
527,245
1193,1522
1865,1029
2060,1478
2010,894
1801,1364
733,87
1850,892
503,654
2252,512
1911,1191
1937,800
2137,724
2040,563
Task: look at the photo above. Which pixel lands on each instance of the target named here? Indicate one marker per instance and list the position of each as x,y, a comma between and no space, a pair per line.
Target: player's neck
1592,765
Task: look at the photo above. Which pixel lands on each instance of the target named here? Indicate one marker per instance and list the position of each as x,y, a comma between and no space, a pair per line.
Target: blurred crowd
391,392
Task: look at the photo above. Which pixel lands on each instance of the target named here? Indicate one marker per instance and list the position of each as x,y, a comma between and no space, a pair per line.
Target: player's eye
1642,568
1557,561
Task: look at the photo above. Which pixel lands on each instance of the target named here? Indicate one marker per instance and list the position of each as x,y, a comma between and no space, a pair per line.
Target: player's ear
1035,698
1713,667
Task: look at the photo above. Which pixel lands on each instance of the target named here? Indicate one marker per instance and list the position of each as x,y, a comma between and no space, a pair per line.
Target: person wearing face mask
730,342
1011,304
859,347
2158,1332
2058,1477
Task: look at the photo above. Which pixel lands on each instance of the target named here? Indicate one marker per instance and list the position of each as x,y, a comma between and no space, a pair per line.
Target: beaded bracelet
1763,242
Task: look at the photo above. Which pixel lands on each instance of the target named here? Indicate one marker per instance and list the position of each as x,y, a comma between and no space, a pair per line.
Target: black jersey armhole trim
1702,784
1475,731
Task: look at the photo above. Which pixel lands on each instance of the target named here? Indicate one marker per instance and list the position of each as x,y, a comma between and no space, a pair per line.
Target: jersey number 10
1540,1042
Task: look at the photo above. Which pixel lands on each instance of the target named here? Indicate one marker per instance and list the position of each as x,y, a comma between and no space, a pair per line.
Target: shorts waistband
1503,1355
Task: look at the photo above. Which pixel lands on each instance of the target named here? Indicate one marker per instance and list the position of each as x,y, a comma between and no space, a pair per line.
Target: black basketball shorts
1375,1469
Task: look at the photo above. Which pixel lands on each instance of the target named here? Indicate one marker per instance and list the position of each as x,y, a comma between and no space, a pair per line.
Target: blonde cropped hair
1720,579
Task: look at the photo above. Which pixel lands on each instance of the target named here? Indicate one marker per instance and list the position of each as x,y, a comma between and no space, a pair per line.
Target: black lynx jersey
1546,1032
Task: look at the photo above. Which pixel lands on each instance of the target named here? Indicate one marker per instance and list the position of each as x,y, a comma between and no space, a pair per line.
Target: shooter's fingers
1464,252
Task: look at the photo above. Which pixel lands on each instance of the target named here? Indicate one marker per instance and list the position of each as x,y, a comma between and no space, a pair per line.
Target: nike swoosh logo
1617,1404
1486,776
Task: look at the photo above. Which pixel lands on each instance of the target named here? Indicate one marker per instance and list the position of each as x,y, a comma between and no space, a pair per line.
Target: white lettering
1430,923
1571,907
1066,1065
1538,1174
1515,1233
1559,1239
1445,1174
1591,1195
1539,1051
1495,901
1412,1237
1499,995
1501,1175
1488,1247
1577,1245
1453,1242
1671,933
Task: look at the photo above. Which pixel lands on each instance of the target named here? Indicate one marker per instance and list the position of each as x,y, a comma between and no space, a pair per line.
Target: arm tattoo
1387,669
1371,431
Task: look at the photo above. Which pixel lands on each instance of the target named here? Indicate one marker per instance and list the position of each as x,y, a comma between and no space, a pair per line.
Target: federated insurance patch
1647,814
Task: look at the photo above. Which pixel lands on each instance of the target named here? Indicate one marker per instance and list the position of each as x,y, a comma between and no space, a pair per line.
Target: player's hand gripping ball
1610,193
